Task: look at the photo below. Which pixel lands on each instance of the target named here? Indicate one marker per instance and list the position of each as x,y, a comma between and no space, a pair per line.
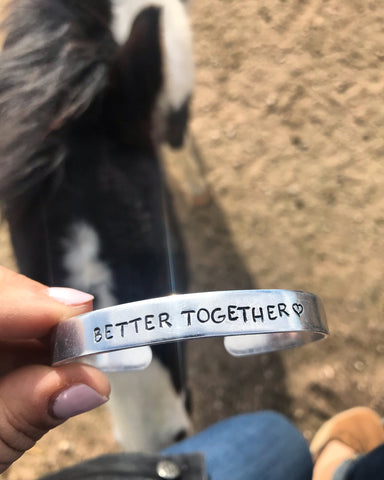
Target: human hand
35,397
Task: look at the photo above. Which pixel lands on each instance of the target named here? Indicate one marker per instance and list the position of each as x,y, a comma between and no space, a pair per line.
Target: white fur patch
177,43
84,268
147,412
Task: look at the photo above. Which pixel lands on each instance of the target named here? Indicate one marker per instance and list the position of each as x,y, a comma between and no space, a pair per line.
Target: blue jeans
369,466
253,446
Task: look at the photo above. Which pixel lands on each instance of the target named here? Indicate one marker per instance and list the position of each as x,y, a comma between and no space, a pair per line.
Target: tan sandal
360,428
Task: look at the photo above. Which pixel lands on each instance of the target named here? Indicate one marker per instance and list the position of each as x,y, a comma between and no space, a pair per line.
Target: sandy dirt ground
289,120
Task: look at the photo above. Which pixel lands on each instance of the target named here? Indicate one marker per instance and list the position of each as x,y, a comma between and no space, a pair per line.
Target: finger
18,354
29,309
53,395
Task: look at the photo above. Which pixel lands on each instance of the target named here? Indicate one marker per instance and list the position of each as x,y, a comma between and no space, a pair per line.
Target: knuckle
17,434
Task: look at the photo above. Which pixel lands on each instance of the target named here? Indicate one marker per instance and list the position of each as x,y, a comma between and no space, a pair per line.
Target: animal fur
80,175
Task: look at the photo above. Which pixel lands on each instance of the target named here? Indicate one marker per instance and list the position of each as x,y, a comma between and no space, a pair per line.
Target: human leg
256,446
261,445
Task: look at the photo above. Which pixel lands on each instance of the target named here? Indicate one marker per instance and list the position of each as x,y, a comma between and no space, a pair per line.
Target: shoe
360,428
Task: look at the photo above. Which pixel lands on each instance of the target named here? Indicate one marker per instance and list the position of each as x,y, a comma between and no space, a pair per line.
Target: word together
223,315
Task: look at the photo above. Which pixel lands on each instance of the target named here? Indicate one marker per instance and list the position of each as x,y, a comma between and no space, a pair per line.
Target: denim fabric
367,467
342,470
254,446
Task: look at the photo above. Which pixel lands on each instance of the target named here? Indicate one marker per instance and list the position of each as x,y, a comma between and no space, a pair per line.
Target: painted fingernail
76,399
69,296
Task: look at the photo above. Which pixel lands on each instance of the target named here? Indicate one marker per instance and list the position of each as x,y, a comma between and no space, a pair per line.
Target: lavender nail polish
69,296
76,399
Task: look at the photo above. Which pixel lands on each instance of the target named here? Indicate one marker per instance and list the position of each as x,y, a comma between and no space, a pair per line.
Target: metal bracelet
253,321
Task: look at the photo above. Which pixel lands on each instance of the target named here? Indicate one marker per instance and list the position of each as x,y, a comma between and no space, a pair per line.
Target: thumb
35,399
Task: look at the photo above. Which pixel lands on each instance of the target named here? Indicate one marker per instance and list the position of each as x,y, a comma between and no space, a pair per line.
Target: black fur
176,125
76,144
56,58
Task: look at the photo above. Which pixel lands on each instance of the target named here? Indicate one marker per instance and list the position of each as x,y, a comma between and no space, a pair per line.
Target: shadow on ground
222,385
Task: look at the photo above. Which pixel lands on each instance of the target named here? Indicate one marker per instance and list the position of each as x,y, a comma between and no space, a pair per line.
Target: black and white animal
88,90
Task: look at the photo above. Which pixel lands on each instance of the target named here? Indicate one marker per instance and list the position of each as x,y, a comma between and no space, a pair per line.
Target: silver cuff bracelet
253,321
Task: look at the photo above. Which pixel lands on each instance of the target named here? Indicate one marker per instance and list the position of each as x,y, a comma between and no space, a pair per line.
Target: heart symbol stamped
298,308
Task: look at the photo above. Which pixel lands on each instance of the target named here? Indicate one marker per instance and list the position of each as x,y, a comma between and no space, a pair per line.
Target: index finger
29,309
